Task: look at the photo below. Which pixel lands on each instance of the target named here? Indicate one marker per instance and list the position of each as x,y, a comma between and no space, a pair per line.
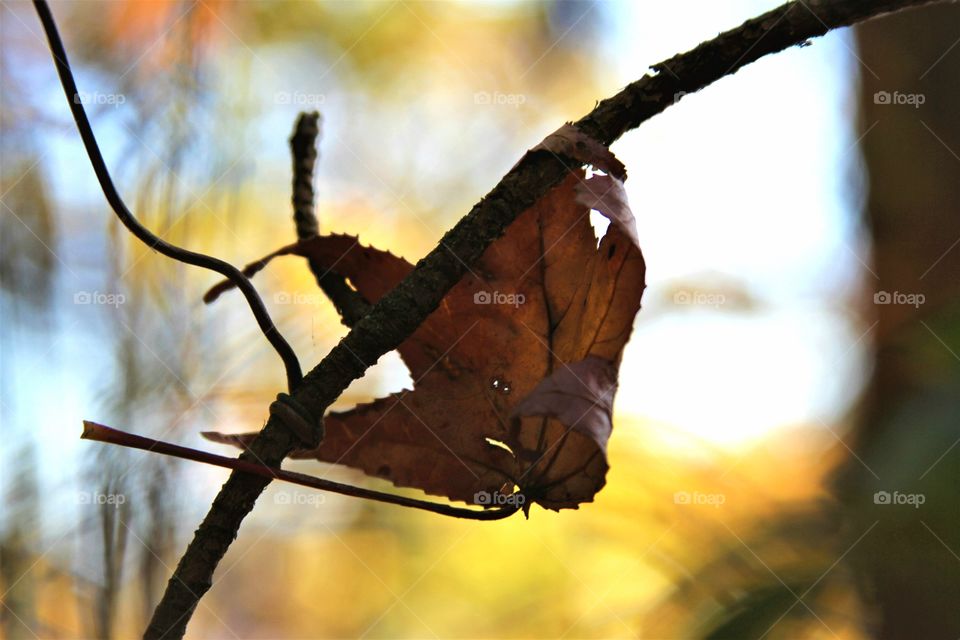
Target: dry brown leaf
543,300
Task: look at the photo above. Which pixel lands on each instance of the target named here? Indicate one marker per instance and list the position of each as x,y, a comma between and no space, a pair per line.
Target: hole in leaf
600,224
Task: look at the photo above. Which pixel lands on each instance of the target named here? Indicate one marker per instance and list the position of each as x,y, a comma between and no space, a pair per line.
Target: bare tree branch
399,313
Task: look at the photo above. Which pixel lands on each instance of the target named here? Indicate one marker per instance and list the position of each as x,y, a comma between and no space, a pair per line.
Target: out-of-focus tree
909,563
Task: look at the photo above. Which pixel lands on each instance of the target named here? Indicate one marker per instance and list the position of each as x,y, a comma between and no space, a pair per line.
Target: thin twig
304,149
103,433
282,347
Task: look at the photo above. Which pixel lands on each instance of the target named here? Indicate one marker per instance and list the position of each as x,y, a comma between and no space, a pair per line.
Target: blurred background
785,458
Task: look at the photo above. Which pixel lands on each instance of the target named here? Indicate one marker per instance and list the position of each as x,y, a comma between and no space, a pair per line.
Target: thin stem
283,348
103,433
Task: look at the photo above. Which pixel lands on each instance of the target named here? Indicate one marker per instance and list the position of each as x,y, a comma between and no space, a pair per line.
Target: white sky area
752,181
747,189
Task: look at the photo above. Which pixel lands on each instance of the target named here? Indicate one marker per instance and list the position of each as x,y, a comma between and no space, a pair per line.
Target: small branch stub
303,148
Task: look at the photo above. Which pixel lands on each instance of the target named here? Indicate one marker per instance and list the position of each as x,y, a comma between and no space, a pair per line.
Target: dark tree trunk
910,562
